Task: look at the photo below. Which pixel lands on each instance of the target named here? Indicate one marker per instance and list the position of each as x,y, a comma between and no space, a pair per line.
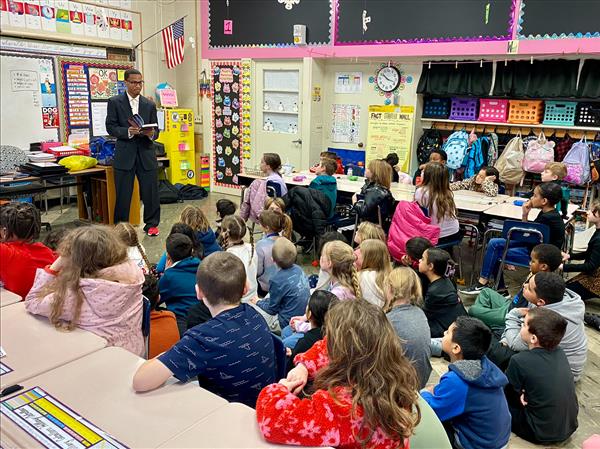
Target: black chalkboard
423,20
547,17
265,22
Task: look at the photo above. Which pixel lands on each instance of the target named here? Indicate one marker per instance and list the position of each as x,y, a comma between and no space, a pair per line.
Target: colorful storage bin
436,108
560,113
529,112
464,109
492,110
588,114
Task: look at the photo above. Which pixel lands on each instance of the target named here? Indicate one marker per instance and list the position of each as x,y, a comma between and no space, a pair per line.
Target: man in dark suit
134,153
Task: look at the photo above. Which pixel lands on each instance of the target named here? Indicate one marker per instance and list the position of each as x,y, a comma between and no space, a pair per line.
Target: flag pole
154,34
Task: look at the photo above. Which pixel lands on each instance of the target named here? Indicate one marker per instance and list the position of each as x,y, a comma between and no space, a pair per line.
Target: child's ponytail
442,263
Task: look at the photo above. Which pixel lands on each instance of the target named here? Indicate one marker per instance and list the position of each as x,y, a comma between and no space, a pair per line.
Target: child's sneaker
475,289
592,320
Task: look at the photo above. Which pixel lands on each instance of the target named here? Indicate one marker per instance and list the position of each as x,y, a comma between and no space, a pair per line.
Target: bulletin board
268,23
28,100
564,18
86,86
423,20
228,107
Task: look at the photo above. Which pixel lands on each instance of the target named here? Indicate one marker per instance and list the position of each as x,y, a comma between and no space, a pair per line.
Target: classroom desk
509,211
34,346
215,431
7,297
98,388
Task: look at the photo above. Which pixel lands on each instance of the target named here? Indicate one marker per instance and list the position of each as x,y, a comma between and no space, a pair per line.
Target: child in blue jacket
288,291
177,285
470,399
325,181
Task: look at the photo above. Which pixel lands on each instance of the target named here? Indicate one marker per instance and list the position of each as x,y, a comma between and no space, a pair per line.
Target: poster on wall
103,83
3,12
47,84
348,82
126,26
390,130
227,124
89,21
77,93
345,123
33,18
16,9
63,24
48,12
99,109
114,23
102,26
76,18
50,117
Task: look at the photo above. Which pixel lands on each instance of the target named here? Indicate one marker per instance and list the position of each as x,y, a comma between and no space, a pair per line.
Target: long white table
7,297
34,346
98,388
508,210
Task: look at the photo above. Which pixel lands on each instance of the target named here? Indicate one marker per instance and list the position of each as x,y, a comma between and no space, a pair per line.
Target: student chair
430,432
526,234
280,357
146,324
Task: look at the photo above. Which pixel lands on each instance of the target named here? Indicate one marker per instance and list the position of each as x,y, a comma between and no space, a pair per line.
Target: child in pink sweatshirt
94,286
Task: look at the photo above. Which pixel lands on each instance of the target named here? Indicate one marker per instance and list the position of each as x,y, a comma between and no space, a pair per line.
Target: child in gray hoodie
548,290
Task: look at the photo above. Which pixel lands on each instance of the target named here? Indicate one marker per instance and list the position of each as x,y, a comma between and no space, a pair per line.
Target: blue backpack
456,148
103,150
475,157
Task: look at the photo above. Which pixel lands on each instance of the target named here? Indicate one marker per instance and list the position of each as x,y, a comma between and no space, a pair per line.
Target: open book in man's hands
138,122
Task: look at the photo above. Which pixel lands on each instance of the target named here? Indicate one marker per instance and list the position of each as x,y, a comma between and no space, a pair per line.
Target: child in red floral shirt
360,349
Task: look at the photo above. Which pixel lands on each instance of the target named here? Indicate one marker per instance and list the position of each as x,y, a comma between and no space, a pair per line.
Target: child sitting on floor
486,181
177,283
319,303
491,307
323,277
232,355
289,290
541,395
587,283
135,250
274,224
233,231
364,390
374,263
545,197
325,182
224,207
546,290
94,286
470,396
195,218
20,256
415,248
163,324
403,300
182,228
442,304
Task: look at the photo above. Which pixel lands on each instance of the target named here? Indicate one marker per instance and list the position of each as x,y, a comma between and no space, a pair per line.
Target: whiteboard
24,84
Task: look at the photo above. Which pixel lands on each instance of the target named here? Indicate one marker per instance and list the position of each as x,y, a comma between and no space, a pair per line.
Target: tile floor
588,389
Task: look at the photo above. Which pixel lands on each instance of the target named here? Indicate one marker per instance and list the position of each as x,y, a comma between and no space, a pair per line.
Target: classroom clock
388,78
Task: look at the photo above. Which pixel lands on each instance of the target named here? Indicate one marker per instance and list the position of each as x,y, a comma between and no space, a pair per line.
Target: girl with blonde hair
403,300
367,230
436,198
233,231
135,250
94,286
375,201
374,263
195,218
337,259
365,390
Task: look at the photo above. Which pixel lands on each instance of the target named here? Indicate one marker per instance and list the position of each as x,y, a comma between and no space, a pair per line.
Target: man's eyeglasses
136,83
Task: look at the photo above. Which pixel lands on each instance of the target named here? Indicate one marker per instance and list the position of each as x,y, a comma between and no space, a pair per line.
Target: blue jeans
493,253
289,337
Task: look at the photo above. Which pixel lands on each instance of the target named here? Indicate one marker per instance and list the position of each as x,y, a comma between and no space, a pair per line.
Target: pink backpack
577,161
538,153
409,221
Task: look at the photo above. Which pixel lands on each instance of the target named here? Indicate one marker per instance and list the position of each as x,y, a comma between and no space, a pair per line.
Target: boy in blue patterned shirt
232,354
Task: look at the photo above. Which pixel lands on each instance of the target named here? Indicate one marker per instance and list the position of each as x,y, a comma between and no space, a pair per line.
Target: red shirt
18,263
321,420
163,332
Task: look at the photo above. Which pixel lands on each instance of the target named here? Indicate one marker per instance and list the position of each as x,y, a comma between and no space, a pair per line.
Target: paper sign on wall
102,23
390,130
99,109
348,82
89,19
345,125
227,26
76,17
126,26
114,23
63,24
3,12
33,18
16,9
50,117
23,80
168,97
48,12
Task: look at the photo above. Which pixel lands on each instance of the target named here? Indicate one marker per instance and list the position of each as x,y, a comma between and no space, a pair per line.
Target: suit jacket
117,116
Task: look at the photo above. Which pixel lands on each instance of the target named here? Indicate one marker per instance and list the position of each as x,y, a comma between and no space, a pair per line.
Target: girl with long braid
135,250
337,259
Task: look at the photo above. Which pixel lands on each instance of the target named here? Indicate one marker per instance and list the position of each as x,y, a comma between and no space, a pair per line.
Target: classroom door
278,102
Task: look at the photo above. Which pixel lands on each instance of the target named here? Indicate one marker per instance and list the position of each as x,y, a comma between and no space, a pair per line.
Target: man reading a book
132,119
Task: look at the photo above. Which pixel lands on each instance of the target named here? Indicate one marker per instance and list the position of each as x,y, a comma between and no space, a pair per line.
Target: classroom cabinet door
278,106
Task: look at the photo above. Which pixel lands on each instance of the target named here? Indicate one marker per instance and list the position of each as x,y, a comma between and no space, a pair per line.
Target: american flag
173,42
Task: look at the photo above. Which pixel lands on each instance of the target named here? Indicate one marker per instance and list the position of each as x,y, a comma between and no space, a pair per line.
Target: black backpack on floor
168,193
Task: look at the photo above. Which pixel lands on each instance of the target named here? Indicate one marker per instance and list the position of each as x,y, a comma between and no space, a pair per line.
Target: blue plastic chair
525,234
146,323
280,357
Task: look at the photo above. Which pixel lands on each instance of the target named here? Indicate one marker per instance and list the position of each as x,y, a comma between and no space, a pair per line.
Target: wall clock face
388,78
